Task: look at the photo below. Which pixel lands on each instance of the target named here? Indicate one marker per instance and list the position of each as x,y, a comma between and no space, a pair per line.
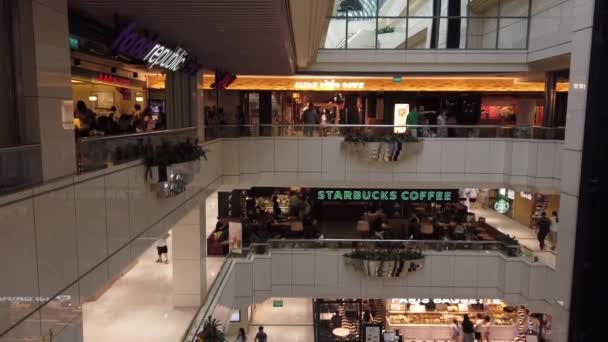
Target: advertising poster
400,116
235,236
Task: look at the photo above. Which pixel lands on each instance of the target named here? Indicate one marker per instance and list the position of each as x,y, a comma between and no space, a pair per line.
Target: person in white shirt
485,329
478,325
454,331
161,248
553,230
442,120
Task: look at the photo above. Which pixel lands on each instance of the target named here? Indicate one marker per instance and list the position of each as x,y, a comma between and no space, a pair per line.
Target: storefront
421,319
524,207
105,93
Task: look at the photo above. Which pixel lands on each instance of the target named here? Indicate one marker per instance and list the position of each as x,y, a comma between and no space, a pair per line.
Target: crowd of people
88,123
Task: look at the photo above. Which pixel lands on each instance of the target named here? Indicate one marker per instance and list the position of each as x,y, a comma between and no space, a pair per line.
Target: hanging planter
388,148
386,263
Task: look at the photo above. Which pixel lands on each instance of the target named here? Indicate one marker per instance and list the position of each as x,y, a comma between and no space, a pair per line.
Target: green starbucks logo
502,206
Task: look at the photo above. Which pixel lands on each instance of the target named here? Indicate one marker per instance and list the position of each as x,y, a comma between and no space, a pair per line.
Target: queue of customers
88,123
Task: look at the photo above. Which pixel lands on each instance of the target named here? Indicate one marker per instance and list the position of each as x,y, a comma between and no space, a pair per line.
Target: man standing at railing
309,117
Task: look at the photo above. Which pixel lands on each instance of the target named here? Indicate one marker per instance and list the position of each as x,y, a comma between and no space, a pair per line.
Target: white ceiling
241,36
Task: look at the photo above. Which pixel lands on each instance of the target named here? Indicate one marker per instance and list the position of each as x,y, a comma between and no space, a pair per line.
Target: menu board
402,110
373,333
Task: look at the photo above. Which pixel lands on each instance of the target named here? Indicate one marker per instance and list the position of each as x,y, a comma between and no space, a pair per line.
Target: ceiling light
93,98
139,98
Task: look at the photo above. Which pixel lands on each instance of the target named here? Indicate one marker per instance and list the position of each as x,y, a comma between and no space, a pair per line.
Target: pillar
527,112
198,107
189,259
182,99
45,73
549,104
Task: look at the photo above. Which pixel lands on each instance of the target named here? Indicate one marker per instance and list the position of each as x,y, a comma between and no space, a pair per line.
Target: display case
431,318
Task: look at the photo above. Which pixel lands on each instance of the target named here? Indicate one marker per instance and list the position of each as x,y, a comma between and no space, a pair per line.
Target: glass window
514,8
336,34
355,8
483,8
391,33
420,8
392,8
361,33
513,33
482,33
9,115
419,33
454,29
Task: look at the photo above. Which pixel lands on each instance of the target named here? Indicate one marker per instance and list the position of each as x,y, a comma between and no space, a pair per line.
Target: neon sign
329,85
502,206
112,79
386,195
133,44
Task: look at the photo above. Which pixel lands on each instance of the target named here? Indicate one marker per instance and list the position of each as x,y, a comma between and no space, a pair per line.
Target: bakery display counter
414,322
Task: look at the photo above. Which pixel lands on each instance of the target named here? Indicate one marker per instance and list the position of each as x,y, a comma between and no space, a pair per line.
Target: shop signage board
109,78
449,301
134,44
329,85
423,195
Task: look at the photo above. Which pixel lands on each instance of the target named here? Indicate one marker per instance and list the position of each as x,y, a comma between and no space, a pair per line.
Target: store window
10,123
428,24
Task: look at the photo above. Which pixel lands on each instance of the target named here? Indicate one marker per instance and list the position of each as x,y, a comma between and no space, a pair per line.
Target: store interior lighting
92,97
139,98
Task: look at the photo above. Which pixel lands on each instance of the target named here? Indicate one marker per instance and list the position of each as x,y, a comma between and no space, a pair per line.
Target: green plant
211,331
389,138
166,153
388,29
407,254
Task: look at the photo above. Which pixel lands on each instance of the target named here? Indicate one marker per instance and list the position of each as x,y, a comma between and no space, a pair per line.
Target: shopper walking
241,337
162,249
309,117
261,335
543,226
442,120
468,330
478,323
454,331
553,230
485,329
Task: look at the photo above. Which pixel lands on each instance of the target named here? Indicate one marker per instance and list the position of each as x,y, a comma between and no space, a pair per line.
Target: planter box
384,269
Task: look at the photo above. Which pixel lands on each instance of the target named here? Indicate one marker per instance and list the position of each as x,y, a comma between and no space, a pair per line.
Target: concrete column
527,112
189,259
46,78
198,107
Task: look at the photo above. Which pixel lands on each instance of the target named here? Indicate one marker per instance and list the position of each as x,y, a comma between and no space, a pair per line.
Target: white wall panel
310,154
304,266
286,154
453,157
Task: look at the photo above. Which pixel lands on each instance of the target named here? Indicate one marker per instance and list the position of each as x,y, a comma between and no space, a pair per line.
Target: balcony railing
421,131
96,153
20,167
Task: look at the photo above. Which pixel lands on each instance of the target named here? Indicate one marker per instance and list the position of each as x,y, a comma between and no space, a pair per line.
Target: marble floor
139,306
525,235
292,322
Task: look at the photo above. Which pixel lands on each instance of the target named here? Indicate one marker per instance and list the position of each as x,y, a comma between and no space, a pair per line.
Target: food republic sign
386,195
136,45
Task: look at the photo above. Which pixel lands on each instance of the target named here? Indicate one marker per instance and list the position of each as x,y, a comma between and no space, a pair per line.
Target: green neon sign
502,206
386,195
74,43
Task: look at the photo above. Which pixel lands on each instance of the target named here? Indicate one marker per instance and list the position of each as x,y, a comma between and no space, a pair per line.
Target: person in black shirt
543,226
468,331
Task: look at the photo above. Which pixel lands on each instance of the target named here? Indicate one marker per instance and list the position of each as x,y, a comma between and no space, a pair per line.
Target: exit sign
277,303
397,79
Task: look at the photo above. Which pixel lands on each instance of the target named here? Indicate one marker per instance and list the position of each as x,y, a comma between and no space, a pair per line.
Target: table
341,332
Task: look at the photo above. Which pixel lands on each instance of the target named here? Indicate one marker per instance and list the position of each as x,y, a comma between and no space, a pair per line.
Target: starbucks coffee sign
430,195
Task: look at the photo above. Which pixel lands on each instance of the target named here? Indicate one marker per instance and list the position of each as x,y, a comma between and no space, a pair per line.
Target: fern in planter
211,331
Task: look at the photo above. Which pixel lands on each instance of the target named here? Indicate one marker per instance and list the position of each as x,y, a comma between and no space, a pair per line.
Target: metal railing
211,300
421,131
20,167
96,153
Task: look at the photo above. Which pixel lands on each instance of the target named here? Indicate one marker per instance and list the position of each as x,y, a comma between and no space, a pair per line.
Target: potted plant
211,331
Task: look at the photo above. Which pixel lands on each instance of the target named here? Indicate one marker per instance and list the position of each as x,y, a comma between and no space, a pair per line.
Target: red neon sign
112,79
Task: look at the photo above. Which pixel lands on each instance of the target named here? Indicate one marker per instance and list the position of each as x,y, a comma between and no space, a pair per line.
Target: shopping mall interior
289,170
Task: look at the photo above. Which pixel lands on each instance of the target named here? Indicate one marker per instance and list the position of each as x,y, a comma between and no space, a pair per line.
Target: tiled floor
139,306
292,322
525,235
